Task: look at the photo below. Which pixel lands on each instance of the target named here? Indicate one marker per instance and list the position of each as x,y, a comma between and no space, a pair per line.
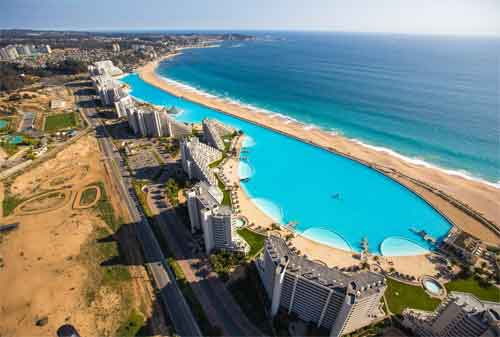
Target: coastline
469,204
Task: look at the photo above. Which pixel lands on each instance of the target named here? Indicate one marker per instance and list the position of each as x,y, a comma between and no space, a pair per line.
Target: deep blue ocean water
335,200
432,99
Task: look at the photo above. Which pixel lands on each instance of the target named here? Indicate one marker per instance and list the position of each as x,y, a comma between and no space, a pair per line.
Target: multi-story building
331,299
44,49
104,67
149,122
116,47
214,132
23,50
9,53
460,314
216,221
122,104
108,89
196,158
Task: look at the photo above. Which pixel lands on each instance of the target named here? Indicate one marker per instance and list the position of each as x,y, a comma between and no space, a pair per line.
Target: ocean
430,99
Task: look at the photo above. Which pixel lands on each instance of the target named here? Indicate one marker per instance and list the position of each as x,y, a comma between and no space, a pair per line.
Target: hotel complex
214,131
460,314
331,299
207,214
143,120
196,159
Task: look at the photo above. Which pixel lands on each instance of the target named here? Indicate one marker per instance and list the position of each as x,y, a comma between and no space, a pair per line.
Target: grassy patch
10,202
401,296
216,163
105,208
143,199
226,200
88,196
60,121
256,241
470,285
132,325
10,149
249,294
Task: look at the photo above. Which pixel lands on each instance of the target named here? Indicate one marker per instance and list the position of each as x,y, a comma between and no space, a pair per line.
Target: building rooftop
360,282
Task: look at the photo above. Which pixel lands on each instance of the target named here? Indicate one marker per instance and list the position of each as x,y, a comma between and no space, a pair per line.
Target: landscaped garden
255,241
486,292
400,296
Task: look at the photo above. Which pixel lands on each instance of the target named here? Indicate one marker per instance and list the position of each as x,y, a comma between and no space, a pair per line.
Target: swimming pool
3,123
432,286
334,200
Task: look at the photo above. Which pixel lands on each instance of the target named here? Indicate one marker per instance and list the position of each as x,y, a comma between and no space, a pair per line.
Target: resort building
196,158
339,302
104,68
149,122
214,132
460,314
216,221
108,89
122,104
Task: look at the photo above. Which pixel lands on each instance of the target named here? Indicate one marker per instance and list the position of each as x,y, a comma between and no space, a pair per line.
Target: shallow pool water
432,286
320,191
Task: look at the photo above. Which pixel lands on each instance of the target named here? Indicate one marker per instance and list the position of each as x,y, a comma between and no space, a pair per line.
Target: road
168,291
217,301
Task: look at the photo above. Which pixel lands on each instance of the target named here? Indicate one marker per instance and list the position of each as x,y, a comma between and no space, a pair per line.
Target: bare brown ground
45,273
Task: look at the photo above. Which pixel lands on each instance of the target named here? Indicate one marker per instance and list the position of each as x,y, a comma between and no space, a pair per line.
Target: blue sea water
432,99
294,181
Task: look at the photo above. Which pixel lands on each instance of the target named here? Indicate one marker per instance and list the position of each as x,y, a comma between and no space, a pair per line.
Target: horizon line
228,30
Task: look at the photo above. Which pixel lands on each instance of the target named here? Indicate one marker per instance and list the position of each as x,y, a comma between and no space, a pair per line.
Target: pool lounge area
331,199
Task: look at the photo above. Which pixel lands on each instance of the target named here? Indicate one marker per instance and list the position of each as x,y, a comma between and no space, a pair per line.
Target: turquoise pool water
15,139
3,123
294,181
433,287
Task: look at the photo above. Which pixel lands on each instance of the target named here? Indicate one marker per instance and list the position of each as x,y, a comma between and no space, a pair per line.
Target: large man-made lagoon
334,200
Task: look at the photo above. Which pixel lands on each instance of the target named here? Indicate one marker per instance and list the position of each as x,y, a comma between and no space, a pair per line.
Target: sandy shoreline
480,201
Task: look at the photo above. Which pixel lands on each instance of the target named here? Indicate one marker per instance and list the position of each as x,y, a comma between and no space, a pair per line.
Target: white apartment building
214,131
196,158
122,104
333,300
146,122
105,67
459,315
216,221
8,53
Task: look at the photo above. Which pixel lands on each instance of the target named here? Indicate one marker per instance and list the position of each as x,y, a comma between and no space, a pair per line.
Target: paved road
169,293
217,301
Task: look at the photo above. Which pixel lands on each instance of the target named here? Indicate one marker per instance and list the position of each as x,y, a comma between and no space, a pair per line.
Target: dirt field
56,265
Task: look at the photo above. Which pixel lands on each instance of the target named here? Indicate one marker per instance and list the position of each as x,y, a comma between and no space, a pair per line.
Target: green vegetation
223,262
143,199
481,290
216,163
106,211
132,325
172,192
250,295
105,262
58,122
88,196
256,241
400,296
226,200
10,202
207,328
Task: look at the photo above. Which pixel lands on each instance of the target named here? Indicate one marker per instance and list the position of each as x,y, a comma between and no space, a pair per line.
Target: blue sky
401,16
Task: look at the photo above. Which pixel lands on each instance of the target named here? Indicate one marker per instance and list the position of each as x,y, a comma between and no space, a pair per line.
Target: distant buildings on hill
12,52
325,296
460,314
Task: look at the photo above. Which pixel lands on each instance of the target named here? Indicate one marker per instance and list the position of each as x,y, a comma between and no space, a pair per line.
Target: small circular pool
432,286
240,222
